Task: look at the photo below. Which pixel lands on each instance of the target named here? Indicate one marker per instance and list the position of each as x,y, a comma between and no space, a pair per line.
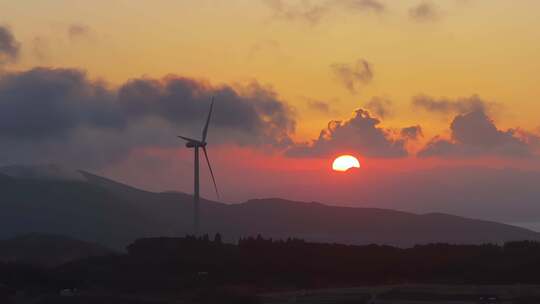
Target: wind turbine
196,144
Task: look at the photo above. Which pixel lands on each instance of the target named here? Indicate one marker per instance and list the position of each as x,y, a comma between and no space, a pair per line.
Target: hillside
100,210
48,250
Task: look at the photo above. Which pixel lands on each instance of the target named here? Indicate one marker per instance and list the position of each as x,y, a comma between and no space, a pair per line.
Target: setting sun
345,162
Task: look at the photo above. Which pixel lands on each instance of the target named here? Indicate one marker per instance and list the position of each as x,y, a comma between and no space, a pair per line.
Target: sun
345,162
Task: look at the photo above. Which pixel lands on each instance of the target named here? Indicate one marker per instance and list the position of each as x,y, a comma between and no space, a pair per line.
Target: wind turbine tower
196,144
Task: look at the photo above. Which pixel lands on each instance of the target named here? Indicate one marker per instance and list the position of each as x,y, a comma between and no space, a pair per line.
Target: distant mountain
318,222
101,210
48,250
77,209
41,172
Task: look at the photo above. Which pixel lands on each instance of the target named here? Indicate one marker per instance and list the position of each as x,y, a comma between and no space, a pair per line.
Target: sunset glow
420,92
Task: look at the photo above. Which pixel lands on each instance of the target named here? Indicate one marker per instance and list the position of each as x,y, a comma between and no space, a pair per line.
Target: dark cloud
531,139
78,30
424,11
412,132
360,134
475,134
9,47
382,107
451,106
312,13
59,115
353,76
43,103
256,116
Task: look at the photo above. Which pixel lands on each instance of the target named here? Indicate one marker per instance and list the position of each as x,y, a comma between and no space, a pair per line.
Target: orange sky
447,50
489,48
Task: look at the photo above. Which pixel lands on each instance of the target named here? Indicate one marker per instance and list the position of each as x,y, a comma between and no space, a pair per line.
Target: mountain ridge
105,211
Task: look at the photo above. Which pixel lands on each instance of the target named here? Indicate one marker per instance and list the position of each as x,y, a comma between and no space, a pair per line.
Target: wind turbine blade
211,172
188,139
205,130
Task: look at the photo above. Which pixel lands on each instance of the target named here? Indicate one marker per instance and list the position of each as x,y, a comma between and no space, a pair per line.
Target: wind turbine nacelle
193,144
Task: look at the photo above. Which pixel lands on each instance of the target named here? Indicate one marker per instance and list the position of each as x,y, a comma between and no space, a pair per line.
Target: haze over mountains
49,199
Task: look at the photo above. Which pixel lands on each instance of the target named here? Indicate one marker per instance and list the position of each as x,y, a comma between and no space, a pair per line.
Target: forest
254,265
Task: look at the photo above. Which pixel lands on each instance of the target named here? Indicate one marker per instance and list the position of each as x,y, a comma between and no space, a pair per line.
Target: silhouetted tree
218,239
172,264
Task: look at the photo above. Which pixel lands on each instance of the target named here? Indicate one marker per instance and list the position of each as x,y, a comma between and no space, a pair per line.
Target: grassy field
409,294
395,294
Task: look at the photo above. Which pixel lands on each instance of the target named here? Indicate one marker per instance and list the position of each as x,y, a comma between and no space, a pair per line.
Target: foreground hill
97,209
48,250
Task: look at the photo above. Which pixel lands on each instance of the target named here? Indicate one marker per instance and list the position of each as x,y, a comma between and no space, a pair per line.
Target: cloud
412,132
380,106
43,103
530,138
449,106
424,11
319,106
9,47
353,76
363,5
305,11
311,13
59,115
255,115
40,48
475,134
75,31
360,134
